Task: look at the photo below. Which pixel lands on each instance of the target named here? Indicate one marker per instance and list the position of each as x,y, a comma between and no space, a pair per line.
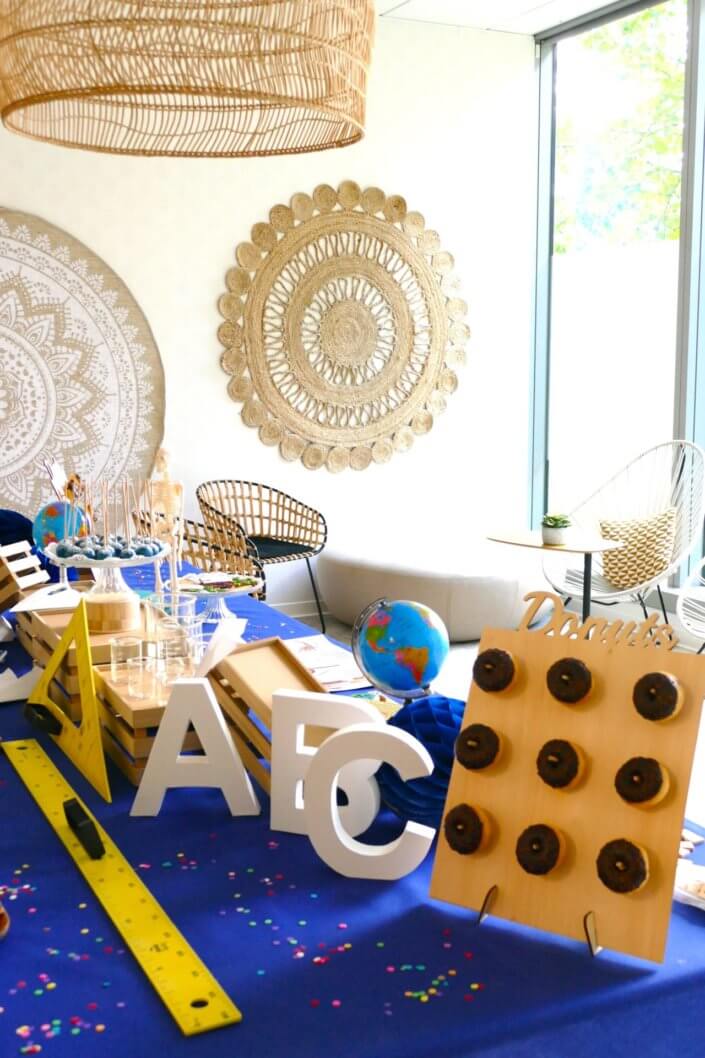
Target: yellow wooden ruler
193,996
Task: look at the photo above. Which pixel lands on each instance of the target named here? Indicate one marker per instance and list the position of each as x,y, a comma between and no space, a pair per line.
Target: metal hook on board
487,903
590,927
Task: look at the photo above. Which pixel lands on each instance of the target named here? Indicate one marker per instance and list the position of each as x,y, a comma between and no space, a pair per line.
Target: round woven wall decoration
342,327
81,380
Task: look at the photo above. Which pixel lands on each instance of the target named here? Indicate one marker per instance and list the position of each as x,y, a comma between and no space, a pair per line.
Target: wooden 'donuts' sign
568,790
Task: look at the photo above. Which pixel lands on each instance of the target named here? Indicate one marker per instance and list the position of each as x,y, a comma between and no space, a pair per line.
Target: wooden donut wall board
609,731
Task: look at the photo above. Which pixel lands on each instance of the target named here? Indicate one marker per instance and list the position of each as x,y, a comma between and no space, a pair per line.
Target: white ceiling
512,16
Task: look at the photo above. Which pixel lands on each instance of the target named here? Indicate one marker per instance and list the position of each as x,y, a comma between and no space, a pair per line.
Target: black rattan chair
281,528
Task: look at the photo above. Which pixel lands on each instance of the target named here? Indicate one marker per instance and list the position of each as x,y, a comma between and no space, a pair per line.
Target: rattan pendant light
218,78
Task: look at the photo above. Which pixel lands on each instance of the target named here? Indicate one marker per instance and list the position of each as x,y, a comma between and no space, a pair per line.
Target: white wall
451,126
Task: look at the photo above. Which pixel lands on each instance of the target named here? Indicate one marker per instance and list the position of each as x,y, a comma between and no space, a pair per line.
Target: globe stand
423,692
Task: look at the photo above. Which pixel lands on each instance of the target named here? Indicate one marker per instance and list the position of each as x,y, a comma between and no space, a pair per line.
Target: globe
400,646
57,520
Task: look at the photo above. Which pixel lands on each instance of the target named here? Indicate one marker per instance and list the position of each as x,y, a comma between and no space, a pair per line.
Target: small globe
57,520
400,646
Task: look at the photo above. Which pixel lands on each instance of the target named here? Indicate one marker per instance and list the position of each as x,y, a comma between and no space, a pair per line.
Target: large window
606,385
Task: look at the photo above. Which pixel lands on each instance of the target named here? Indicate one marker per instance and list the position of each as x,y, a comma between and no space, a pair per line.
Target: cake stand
111,604
215,609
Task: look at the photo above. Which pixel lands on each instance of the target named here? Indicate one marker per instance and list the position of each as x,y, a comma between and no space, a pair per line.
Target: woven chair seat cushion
270,549
647,551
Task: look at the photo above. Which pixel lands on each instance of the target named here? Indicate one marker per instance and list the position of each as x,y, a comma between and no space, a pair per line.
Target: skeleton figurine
167,506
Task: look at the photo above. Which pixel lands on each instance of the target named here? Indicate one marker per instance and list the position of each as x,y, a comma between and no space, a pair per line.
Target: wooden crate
20,571
40,633
243,685
130,724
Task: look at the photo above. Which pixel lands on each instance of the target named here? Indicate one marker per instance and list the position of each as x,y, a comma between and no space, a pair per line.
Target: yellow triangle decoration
83,745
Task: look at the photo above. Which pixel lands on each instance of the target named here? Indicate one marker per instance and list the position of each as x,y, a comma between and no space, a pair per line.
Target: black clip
84,828
40,717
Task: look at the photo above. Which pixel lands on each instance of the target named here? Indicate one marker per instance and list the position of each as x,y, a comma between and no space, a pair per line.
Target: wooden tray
244,684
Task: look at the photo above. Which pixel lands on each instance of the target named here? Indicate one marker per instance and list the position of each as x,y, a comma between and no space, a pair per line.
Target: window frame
689,405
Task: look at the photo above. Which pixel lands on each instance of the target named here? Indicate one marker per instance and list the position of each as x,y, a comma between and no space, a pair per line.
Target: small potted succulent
553,528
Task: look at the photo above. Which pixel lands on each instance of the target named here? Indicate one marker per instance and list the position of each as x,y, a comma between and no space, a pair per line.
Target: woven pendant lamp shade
186,77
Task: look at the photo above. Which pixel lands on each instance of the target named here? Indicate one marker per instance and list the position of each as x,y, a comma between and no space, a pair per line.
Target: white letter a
192,702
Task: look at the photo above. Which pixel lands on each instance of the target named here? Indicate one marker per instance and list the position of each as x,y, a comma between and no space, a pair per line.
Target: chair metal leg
316,596
643,606
701,649
663,604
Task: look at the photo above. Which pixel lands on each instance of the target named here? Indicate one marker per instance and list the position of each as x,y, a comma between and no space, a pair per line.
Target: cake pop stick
126,506
136,502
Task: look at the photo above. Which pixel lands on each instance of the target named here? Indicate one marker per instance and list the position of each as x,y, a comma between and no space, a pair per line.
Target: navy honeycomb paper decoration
435,721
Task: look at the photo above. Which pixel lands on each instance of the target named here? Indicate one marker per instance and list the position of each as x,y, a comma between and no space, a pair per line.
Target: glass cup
168,671
142,678
177,606
180,640
122,648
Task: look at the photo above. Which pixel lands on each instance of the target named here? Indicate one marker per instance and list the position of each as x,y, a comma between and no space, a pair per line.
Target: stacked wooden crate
243,685
129,724
20,572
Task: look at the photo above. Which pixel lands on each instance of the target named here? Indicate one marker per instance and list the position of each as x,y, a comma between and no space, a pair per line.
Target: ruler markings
194,998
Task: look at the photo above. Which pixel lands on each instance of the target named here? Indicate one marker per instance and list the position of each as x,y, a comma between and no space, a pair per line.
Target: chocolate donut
622,866
560,764
477,746
642,781
540,848
494,670
657,696
569,680
466,829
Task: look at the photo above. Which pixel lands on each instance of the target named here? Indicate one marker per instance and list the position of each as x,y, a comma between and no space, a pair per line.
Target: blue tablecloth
318,964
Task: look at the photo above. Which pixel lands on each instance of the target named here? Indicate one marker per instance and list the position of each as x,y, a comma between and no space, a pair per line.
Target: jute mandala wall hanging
81,380
343,327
